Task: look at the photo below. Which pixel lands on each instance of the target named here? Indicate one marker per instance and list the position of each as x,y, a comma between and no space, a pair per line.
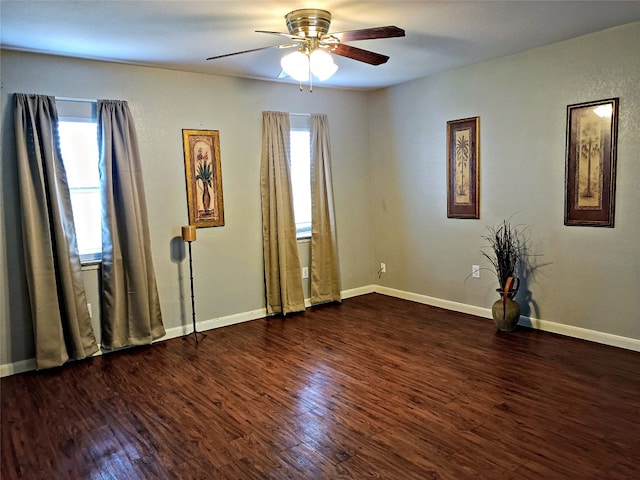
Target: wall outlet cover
475,271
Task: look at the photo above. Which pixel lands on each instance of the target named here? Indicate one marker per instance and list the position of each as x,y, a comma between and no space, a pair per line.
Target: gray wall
588,277
228,260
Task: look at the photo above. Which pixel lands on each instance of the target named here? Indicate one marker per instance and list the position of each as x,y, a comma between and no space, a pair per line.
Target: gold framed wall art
203,177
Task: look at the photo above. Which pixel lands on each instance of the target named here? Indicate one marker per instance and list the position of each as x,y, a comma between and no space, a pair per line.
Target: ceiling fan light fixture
309,32
296,65
322,65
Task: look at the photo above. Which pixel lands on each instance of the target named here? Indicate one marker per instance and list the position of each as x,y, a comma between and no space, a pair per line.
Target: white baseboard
544,325
219,322
434,302
15,368
582,333
538,324
356,292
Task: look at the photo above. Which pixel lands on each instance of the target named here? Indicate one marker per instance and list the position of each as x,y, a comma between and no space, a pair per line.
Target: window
301,174
77,127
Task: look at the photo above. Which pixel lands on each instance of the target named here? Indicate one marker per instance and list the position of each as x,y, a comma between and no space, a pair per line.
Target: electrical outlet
383,268
475,271
305,272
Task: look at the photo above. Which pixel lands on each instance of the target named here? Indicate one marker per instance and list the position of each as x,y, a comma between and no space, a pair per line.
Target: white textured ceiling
180,35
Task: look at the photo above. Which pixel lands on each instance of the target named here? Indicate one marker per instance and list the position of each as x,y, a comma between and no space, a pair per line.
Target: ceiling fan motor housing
308,22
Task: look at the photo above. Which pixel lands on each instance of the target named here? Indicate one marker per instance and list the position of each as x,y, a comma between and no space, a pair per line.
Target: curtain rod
70,99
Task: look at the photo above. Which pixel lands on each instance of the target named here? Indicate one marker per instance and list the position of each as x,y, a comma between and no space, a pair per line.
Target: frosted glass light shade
296,65
322,65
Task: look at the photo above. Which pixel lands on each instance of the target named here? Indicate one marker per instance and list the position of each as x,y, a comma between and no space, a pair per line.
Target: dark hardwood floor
374,388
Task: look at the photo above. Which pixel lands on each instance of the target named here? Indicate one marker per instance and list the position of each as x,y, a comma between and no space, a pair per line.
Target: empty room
318,240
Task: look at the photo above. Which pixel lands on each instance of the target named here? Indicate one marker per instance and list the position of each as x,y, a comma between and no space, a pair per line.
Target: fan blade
369,33
372,58
285,45
282,34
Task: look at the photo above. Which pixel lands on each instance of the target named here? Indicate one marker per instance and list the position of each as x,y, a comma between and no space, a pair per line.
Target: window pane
300,180
79,145
79,148
85,203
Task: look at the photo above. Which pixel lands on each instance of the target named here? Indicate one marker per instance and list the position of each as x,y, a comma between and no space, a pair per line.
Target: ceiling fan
309,34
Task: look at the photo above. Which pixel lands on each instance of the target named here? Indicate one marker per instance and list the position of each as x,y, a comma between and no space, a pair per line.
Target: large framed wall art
590,168
463,168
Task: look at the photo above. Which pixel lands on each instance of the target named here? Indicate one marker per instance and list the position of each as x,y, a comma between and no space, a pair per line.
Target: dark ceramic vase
506,314
506,311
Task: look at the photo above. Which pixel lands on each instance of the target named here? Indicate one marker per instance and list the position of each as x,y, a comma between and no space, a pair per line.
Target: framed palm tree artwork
590,166
463,168
203,177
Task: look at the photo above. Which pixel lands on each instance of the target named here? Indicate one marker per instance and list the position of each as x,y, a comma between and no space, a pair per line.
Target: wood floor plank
375,387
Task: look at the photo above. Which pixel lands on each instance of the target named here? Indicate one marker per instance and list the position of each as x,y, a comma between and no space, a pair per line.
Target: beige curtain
130,304
281,264
61,321
325,275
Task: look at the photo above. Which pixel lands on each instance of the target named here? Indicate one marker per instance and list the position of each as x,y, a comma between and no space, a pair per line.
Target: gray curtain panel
61,321
325,274
130,304
283,281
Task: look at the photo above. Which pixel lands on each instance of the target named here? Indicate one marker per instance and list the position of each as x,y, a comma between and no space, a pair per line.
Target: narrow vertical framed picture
590,164
463,168
203,177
